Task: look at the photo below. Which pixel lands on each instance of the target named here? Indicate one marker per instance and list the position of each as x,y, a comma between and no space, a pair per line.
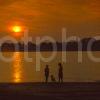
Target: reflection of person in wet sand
46,73
60,72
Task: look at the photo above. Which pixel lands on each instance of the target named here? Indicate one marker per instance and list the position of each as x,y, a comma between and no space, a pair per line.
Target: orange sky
47,17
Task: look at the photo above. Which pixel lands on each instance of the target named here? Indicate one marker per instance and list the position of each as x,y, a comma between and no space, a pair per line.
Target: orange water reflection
17,67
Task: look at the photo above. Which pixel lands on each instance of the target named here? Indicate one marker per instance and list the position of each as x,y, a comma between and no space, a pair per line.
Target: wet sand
50,91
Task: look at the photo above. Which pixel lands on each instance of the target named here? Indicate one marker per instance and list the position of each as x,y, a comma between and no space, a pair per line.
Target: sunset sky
48,17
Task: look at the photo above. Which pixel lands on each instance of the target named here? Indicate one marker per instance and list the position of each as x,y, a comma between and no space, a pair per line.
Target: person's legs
47,79
59,79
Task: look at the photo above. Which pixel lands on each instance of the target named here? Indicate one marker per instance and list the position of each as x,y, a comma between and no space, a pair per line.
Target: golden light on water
17,67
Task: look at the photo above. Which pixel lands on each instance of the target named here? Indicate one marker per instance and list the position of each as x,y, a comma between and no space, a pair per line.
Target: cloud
7,2
56,9
49,14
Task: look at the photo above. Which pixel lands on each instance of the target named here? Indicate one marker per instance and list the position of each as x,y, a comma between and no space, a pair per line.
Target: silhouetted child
60,72
46,73
53,78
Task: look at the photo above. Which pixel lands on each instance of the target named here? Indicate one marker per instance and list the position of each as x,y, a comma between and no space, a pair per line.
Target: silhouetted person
60,72
46,73
53,78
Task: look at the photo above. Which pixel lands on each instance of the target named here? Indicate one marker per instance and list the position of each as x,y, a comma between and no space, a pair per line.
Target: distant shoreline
86,44
50,51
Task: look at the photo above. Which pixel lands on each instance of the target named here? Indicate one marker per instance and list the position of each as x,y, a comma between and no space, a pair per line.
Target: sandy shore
50,91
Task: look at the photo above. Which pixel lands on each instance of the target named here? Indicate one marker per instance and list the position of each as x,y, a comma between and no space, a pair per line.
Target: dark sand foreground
50,91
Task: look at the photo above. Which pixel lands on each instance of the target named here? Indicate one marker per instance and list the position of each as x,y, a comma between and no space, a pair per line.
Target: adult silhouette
60,72
46,73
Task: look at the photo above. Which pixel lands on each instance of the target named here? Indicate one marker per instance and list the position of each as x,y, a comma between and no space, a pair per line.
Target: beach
50,91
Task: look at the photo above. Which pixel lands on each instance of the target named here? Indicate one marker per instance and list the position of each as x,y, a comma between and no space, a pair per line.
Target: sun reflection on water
17,67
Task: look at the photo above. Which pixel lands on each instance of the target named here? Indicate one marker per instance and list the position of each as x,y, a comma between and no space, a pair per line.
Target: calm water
20,70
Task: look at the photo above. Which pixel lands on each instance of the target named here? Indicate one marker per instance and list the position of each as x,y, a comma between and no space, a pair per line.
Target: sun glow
16,29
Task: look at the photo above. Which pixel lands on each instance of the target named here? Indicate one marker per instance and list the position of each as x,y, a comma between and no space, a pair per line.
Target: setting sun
16,29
